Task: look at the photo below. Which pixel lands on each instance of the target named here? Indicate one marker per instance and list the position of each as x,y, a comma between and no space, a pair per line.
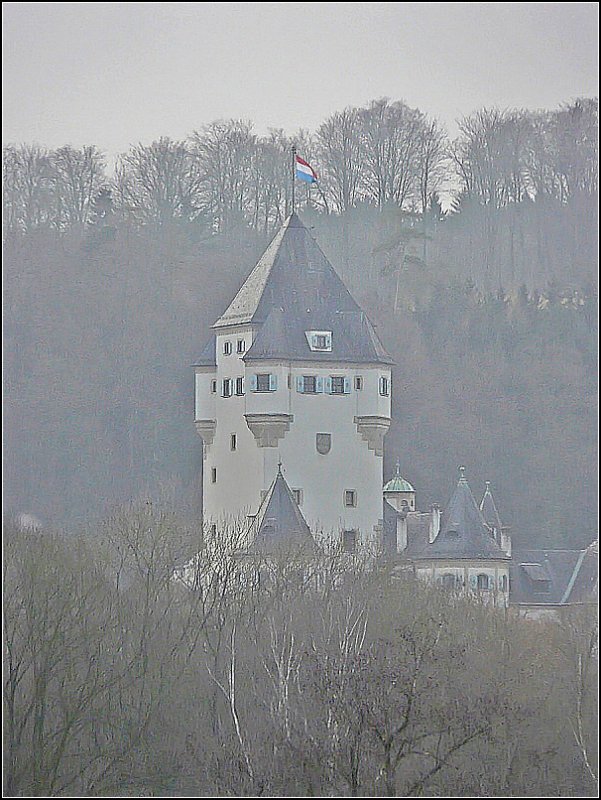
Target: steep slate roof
279,523
473,538
489,509
529,570
294,289
208,357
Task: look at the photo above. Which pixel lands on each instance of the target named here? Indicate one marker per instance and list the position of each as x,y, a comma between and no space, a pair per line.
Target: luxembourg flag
304,171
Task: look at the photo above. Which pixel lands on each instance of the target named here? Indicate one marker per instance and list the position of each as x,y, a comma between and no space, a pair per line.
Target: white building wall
467,574
243,474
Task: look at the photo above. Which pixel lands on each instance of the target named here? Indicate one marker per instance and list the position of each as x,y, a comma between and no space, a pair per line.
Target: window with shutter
273,383
337,384
263,383
239,386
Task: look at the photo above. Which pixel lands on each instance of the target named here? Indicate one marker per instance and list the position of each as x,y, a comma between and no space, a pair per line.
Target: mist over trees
475,257
260,678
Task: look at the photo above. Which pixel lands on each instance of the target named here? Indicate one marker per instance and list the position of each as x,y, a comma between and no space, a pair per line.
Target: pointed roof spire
464,533
279,522
489,509
293,290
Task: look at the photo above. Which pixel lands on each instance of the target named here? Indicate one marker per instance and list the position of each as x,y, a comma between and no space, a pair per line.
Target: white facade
281,425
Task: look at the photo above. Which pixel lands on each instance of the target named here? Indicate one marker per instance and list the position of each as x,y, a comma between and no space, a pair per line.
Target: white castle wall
244,473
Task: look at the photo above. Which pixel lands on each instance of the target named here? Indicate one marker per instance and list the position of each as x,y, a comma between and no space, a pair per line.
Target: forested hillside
475,258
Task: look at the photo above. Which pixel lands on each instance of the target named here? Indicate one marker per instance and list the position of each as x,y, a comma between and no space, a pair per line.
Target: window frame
239,384
261,376
349,537
226,382
241,346
227,348
353,493
233,442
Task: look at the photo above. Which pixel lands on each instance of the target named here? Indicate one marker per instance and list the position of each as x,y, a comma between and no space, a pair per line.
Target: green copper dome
398,484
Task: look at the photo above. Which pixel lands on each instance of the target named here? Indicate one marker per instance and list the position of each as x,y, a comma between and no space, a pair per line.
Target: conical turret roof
489,509
464,532
295,279
279,522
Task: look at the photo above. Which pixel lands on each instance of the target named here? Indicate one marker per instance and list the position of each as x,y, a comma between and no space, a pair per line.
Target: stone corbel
268,429
205,428
373,429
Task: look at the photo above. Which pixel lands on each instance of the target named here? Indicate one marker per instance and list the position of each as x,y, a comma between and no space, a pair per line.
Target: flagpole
293,173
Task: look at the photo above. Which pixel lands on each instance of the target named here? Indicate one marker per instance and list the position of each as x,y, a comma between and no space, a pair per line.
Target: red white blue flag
304,171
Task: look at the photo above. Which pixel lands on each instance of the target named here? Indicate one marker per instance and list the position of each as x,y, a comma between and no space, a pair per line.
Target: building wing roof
208,357
544,576
464,533
294,289
584,587
279,523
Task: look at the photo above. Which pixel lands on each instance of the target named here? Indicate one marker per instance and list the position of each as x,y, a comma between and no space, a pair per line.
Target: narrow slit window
233,441
214,475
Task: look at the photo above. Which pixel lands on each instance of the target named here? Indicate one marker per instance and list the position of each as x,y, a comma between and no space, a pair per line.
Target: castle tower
295,374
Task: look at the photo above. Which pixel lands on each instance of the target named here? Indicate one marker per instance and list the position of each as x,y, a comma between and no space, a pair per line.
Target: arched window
483,582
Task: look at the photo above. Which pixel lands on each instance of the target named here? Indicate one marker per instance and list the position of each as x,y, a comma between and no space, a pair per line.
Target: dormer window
319,340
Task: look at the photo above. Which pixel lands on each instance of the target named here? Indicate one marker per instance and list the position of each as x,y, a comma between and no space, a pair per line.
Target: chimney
401,533
434,522
505,542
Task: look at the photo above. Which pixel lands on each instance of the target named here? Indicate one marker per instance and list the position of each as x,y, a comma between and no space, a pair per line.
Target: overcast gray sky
113,74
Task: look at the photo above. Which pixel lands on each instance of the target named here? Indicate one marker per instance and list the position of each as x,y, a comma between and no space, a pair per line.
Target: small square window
349,541
239,386
214,387
263,384
298,496
233,441
337,384
309,384
358,383
227,348
214,475
240,346
350,498
227,387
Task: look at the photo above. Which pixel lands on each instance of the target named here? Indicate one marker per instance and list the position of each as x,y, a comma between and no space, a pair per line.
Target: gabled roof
279,523
208,357
544,577
294,289
489,509
464,533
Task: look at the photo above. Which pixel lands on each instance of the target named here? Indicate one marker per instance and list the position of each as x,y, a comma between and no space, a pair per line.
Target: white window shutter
347,386
253,383
319,385
273,383
328,386
299,383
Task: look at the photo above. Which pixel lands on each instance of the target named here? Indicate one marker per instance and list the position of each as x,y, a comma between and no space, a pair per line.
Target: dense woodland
475,258
320,678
